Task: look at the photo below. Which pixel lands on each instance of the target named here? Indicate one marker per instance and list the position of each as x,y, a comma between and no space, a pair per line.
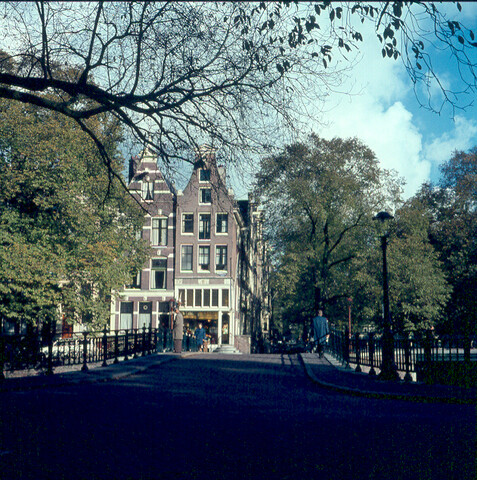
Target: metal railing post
143,349
84,368
407,358
357,347
371,346
346,347
135,343
126,344
116,347
105,347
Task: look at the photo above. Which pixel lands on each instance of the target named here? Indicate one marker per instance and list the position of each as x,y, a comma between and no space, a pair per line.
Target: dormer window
204,175
148,190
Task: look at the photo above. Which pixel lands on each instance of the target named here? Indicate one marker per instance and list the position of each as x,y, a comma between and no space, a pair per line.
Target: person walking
321,331
200,337
178,330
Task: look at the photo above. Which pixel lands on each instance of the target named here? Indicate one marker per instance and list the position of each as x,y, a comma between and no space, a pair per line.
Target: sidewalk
96,373
328,373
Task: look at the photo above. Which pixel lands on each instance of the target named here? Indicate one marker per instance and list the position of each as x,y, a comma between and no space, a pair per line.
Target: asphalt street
228,417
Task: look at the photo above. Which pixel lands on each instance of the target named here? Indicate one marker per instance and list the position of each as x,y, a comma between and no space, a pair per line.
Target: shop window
215,297
198,297
190,298
225,298
206,298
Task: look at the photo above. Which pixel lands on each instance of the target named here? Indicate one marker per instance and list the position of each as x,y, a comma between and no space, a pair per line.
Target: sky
384,113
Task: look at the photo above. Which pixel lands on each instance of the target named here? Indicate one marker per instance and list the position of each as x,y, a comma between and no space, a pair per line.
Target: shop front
215,323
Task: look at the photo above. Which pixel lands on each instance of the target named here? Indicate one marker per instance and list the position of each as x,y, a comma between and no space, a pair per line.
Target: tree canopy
320,197
176,74
67,233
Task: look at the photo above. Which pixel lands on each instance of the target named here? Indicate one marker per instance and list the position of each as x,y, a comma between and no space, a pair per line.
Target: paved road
227,417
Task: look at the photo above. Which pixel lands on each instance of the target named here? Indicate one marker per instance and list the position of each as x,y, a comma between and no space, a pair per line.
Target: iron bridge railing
45,352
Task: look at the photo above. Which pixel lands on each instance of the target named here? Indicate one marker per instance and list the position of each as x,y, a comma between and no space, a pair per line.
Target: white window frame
155,231
183,224
192,258
201,224
200,269
200,195
226,259
153,278
217,223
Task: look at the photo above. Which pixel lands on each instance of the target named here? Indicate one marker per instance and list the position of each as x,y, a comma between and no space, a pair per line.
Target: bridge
211,416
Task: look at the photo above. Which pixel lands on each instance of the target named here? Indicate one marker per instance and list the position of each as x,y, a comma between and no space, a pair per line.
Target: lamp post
350,301
388,368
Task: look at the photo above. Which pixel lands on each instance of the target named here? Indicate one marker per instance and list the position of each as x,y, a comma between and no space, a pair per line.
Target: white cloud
462,137
377,116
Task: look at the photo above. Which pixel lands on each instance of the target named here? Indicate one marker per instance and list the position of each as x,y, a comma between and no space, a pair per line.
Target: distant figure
200,337
178,330
321,331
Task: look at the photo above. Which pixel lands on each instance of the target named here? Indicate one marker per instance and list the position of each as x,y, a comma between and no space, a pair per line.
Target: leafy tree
320,197
67,233
226,73
452,209
418,290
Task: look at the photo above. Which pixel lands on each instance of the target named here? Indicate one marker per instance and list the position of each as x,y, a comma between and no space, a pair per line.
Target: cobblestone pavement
227,417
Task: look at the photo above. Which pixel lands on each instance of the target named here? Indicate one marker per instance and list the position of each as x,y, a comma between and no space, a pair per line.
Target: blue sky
384,113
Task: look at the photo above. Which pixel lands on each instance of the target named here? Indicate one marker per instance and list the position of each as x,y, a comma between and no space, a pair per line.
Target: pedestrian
178,330
321,331
200,337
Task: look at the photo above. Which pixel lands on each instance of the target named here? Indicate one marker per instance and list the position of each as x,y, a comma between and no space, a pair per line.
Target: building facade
207,255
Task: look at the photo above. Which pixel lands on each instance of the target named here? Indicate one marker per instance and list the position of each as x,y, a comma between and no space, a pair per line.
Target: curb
380,394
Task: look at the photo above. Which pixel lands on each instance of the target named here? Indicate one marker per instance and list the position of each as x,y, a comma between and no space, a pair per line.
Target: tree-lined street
229,417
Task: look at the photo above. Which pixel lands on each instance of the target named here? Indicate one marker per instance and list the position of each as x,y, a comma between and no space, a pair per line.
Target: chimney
132,168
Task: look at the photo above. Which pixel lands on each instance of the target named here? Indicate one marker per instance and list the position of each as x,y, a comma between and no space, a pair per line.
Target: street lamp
388,368
350,301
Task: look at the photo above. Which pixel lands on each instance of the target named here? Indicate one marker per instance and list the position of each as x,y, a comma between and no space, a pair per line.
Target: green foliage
67,229
452,209
320,197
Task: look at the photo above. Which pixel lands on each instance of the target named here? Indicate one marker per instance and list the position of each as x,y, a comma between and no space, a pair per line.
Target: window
147,190
145,315
126,316
187,223
159,231
198,297
186,258
204,258
204,226
221,257
206,298
159,273
190,298
204,175
222,225
215,297
135,281
205,195
225,298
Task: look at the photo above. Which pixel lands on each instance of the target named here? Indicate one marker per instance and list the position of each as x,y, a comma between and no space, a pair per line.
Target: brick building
208,255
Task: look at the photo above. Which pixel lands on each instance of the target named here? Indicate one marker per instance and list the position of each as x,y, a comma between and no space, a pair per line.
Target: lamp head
383,216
